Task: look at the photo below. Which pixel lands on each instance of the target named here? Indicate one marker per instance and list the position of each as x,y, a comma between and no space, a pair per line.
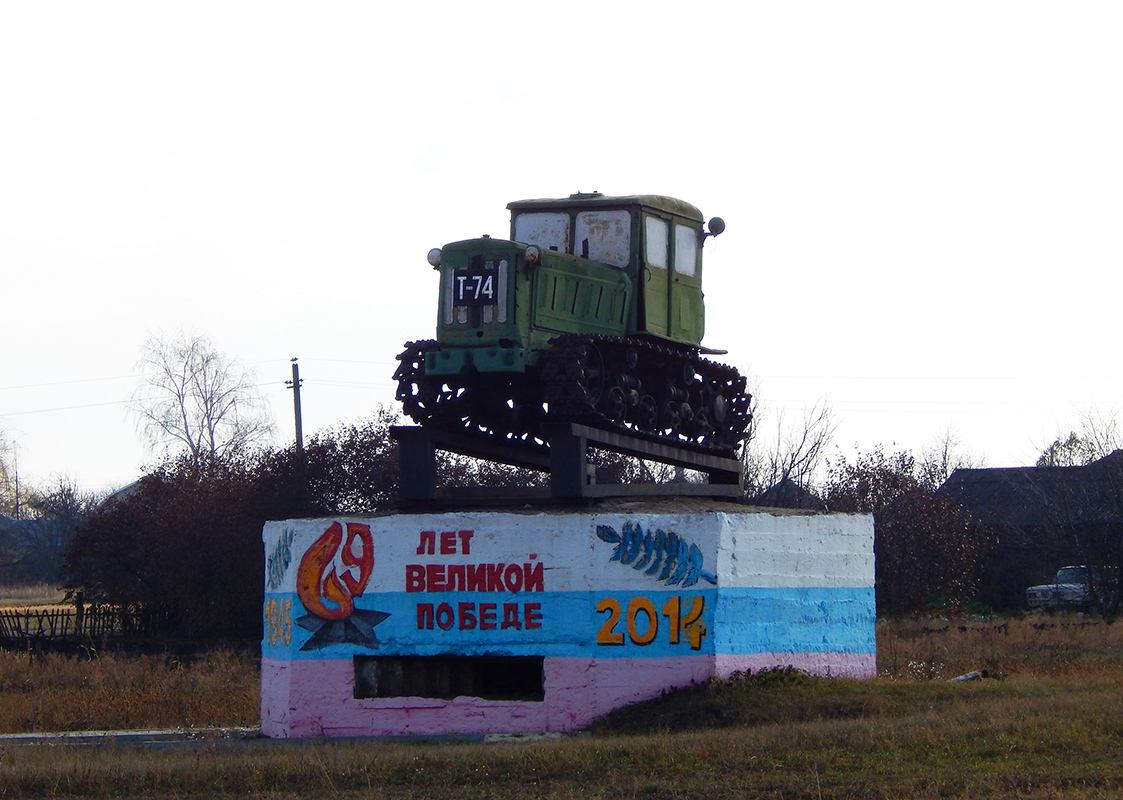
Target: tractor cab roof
583,200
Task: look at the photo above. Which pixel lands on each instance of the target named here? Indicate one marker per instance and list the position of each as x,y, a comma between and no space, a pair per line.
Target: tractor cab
655,240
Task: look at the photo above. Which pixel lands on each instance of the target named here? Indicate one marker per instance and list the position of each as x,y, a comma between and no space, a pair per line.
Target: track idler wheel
647,414
675,417
701,427
615,404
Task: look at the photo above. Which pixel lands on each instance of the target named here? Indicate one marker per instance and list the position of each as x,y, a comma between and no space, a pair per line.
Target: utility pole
294,384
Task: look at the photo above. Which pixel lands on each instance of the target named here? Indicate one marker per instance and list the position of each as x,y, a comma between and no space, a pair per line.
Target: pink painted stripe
305,698
312,698
834,665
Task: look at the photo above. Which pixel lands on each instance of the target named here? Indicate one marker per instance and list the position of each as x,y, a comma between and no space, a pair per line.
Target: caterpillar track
632,385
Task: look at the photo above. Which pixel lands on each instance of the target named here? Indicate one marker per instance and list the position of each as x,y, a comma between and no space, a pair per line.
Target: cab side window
656,234
686,250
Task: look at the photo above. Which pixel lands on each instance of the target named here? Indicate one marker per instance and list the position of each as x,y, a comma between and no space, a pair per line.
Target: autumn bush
187,537
924,545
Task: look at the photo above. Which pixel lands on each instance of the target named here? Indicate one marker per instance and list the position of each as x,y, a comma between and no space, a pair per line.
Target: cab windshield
548,230
603,235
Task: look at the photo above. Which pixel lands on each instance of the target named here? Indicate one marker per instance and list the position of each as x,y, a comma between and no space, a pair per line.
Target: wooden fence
81,622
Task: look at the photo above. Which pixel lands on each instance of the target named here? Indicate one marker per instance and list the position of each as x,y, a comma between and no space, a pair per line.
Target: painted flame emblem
331,595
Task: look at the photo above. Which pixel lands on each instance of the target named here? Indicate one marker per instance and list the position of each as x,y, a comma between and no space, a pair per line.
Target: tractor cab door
672,279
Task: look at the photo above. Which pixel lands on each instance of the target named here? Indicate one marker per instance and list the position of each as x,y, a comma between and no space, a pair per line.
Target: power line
134,376
62,408
65,383
349,361
266,361
354,384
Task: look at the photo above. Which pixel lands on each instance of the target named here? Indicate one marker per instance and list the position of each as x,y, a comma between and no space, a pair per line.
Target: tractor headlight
533,254
435,257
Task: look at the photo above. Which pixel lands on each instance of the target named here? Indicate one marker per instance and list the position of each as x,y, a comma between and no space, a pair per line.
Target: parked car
1071,590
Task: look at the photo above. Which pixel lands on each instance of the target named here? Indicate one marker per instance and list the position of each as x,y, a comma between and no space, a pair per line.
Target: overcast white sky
923,199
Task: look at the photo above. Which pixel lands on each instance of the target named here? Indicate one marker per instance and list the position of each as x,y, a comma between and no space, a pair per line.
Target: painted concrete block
596,610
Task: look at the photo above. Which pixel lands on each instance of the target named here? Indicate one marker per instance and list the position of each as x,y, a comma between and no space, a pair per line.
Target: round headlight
435,257
533,254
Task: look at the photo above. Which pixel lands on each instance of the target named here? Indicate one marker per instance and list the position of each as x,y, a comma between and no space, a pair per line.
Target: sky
923,199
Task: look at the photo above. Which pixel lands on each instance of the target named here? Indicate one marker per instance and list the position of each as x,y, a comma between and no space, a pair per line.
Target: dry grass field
111,691
1052,727
31,595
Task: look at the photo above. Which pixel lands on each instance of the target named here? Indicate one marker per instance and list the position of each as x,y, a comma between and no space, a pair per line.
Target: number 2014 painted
645,631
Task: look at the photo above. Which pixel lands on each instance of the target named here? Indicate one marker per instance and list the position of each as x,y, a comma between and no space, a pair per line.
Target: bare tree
191,395
32,548
792,454
944,456
1075,451
5,475
13,496
1103,428
1100,434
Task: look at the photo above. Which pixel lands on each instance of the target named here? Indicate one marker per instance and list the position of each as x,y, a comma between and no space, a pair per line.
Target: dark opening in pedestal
446,677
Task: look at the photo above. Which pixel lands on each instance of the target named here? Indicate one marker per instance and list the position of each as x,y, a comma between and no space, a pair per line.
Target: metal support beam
566,458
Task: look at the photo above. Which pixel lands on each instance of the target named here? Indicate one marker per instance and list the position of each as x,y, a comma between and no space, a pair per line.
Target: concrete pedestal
493,622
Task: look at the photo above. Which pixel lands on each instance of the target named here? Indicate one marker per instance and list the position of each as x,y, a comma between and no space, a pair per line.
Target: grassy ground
111,691
33,595
1052,728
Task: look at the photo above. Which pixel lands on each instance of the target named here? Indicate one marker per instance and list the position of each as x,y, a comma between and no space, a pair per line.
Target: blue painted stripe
808,620
736,621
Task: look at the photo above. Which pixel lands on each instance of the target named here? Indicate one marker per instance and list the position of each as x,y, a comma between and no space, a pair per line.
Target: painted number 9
642,621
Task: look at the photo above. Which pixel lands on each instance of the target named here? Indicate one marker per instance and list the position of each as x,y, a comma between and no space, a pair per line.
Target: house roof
1026,497
789,494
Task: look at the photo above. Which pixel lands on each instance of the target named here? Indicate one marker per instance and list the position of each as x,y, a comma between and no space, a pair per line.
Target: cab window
548,230
604,235
686,250
655,230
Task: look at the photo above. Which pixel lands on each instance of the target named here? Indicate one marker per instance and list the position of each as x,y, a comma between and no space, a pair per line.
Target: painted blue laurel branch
279,559
674,559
